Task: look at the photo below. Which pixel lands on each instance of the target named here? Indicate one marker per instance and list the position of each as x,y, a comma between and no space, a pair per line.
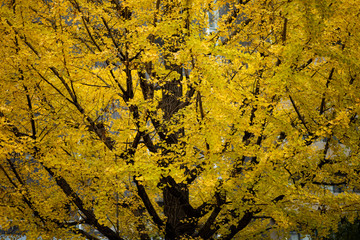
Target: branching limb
89,33
122,57
52,85
301,118
241,224
90,217
208,229
322,105
26,199
24,39
148,205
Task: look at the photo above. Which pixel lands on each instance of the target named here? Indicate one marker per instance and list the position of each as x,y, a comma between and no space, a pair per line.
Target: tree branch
89,214
89,33
301,118
322,105
122,57
148,205
241,224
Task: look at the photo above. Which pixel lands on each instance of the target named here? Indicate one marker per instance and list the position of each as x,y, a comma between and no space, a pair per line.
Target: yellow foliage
178,119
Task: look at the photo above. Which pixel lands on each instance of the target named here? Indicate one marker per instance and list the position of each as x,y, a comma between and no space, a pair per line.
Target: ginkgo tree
131,120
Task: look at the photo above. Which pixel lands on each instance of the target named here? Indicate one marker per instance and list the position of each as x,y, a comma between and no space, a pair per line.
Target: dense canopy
139,119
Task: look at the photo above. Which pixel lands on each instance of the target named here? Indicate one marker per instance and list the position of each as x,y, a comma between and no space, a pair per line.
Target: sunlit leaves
111,108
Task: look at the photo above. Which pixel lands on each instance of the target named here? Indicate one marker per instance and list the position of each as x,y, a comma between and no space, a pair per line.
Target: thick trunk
176,197
178,223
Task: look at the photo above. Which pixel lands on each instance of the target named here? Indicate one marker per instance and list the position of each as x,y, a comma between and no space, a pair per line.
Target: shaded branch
322,105
301,118
173,188
148,205
52,85
89,214
122,57
72,94
32,121
89,33
304,65
241,224
208,229
24,39
27,200
13,128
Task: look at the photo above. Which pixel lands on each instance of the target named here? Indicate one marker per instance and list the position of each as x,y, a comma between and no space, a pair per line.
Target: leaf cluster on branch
132,120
